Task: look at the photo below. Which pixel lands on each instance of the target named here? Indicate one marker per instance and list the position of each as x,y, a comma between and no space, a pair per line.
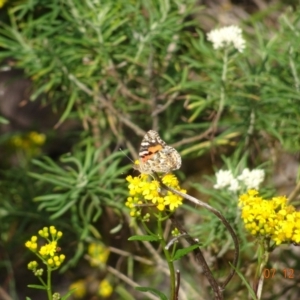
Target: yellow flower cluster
48,249
143,192
32,265
32,244
30,142
56,261
272,218
79,289
98,254
55,235
47,252
2,2
105,289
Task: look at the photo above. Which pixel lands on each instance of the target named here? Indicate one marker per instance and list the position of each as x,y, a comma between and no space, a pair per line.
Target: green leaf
68,109
66,296
49,165
249,288
3,120
35,286
48,197
123,293
63,210
152,291
116,229
146,238
182,252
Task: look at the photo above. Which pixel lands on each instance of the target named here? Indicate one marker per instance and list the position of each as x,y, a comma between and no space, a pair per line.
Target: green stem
222,92
265,257
49,289
42,281
224,78
169,261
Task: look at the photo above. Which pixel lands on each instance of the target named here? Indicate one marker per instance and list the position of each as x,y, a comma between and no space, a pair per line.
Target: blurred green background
81,79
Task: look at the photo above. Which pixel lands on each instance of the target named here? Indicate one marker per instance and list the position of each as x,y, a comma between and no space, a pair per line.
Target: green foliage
92,53
86,55
148,238
83,181
119,68
153,291
183,252
82,185
249,288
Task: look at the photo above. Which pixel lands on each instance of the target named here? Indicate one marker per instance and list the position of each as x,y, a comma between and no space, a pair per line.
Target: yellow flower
105,289
172,200
270,218
170,180
2,2
47,252
32,245
48,249
80,289
44,232
32,265
53,230
160,207
98,253
37,138
143,191
16,140
29,143
296,236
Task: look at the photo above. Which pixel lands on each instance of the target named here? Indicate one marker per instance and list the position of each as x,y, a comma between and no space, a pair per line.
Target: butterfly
156,156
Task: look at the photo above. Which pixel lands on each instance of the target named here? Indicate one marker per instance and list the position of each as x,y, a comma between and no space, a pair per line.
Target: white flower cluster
226,36
249,179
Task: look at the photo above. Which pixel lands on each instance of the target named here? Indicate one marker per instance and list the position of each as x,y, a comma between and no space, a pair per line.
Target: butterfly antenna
126,155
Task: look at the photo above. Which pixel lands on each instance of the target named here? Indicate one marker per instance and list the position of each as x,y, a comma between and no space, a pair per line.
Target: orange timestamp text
270,273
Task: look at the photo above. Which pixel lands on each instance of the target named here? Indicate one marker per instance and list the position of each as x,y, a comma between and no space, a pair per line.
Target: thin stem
169,261
162,266
294,69
177,284
263,263
251,127
42,282
127,280
221,218
222,92
294,193
200,259
105,103
49,288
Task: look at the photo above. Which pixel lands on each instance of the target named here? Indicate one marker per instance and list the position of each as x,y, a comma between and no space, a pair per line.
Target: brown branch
123,88
4,295
194,138
127,280
223,220
162,265
200,259
165,106
294,193
152,90
133,256
106,104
